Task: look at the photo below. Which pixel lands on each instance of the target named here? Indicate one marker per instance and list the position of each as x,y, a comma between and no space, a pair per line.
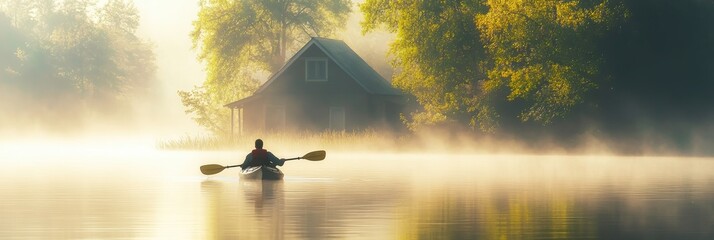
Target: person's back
261,157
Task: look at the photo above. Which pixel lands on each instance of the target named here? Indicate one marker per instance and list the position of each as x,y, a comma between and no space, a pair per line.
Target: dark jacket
261,157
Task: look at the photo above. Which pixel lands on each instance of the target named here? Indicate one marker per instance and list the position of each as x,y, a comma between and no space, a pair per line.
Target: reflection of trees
525,216
483,215
601,211
676,210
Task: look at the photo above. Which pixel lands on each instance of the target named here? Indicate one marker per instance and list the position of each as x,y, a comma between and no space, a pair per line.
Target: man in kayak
261,157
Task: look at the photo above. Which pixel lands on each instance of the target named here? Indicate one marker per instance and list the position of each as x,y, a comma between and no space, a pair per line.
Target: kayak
261,173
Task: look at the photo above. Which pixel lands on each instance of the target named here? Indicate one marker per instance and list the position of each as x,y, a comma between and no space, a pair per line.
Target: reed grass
335,140
200,142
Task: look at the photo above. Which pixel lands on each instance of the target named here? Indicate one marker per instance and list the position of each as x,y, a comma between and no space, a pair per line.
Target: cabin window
315,69
337,118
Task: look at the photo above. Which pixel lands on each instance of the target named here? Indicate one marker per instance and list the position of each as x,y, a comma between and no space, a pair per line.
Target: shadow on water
252,209
264,194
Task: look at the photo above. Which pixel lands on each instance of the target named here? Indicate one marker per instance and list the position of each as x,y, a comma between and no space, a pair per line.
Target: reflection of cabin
325,86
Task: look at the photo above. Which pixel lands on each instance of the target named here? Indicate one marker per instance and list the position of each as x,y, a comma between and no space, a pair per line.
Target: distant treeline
62,61
638,72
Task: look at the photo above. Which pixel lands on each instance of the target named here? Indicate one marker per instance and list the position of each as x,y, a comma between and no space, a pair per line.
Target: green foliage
200,103
457,57
437,54
75,54
241,40
545,52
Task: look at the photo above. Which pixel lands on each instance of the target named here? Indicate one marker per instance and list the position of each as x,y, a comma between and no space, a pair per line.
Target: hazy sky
167,23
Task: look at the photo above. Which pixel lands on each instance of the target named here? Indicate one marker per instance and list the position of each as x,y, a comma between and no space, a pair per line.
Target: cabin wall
309,113
292,80
307,104
253,120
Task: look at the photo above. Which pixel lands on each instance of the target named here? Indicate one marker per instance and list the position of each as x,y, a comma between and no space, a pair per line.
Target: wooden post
231,123
240,122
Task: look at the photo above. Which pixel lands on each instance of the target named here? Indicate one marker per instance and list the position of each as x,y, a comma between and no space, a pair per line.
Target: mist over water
135,192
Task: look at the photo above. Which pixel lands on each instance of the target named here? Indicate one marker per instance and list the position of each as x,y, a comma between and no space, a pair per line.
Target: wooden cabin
324,86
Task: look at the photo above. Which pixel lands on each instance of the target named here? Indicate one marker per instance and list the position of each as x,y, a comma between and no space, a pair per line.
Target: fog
159,115
168,24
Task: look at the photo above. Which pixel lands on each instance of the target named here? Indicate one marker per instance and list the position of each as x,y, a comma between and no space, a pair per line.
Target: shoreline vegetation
423,142
301,141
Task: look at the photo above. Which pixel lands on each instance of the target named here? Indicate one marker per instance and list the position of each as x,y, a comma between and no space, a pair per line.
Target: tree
437,51
545,52
459,57
75,54
133,64
244,39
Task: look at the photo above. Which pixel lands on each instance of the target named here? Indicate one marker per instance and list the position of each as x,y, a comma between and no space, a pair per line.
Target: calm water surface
162,195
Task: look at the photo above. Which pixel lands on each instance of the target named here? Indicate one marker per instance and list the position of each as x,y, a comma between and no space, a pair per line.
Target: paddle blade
315,155
211,169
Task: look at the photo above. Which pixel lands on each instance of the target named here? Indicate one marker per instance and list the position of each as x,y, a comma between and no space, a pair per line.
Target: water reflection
358,197
250,209
264,195
211,190
591,199
521,214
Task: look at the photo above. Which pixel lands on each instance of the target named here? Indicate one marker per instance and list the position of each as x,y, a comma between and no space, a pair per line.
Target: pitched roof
346,59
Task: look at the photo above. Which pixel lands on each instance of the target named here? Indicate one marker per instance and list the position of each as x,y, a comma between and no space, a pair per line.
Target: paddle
211,169
312,156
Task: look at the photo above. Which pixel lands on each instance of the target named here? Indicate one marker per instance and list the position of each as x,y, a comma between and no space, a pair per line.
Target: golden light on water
125,188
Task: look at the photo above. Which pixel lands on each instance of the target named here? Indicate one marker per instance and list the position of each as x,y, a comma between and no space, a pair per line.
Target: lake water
107,194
